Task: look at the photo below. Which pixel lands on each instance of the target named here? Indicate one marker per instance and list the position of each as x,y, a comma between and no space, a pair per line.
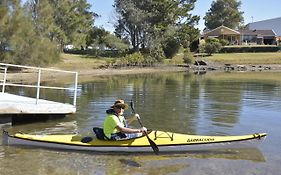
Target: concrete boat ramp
13,106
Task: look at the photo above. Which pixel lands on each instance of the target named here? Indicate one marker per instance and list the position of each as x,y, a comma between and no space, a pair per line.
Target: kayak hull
166,142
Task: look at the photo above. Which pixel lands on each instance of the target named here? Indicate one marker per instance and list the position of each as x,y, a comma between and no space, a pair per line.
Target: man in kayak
115,126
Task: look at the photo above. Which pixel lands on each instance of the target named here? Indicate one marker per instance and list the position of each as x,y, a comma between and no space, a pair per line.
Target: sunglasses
119,107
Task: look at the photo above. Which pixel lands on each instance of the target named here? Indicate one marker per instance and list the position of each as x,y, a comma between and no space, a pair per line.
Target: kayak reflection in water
115,126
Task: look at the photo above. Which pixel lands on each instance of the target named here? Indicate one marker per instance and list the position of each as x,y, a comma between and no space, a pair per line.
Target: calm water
210,104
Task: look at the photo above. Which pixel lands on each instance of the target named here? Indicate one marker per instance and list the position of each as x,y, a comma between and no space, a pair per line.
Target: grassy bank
83,62
80,62
246,58
272,77
89,67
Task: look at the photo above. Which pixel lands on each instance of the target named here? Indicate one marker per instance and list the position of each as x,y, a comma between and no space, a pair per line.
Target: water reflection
217,104
47,161
200,104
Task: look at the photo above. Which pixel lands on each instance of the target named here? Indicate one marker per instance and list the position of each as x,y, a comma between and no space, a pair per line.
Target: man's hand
137,116
143,130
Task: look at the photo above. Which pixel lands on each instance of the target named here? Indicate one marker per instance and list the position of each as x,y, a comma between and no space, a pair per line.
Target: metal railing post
4,79
38,86
75,89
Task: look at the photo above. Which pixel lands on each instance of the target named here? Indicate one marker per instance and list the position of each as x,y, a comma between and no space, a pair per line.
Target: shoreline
31,77
86,74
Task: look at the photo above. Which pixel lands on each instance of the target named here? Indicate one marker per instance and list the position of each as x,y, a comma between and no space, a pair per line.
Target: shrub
212,40
157,53
202,48
178,59
211,48
224,42
135,59
171,47
242,49
188,56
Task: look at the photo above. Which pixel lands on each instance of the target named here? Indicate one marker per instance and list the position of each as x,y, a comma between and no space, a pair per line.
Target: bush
135,59
212,40
178,59
157,53
211,48
224,42
171,47
242,49
202,48
188,56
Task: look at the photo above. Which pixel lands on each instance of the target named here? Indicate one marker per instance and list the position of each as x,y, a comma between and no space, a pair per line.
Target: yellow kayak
165,141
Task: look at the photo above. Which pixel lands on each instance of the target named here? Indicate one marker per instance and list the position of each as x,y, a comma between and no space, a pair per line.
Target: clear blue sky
254,10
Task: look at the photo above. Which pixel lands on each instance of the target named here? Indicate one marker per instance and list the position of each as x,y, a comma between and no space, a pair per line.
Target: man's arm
127,130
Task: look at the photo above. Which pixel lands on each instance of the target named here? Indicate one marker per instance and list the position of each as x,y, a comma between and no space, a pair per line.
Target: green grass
78,62
74,62
246,76
247,58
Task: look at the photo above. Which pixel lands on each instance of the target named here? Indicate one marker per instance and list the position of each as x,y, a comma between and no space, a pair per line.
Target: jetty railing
4,83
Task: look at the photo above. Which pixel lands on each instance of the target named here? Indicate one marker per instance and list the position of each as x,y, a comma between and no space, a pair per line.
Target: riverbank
87,74
88,67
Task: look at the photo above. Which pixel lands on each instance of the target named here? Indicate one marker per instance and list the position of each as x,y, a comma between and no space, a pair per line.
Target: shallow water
210,104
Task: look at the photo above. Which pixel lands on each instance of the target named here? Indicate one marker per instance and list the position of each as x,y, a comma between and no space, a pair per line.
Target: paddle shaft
152,144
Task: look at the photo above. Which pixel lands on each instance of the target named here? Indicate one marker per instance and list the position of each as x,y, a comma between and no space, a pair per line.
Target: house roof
258,32
274,24
221,30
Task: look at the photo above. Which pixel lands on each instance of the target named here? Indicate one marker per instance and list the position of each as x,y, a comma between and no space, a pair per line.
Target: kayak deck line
208,140
178,142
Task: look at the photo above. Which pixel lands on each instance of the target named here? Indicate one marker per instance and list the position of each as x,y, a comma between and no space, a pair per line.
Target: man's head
120,104
119,107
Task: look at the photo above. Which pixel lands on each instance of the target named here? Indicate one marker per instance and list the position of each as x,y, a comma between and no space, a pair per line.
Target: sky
254,10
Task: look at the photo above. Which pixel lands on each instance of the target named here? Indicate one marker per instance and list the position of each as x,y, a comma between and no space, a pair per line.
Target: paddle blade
153,145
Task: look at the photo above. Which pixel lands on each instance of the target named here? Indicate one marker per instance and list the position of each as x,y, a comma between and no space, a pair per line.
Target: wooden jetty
17,105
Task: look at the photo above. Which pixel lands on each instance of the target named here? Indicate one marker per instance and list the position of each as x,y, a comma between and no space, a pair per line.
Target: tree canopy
150,24
101,39
224,12
35,33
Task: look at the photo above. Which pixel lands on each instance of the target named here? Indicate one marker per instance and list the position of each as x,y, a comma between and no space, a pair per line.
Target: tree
3,27
64,22
132,23
25,46
100,38
35,33
96,37
153,24
224,12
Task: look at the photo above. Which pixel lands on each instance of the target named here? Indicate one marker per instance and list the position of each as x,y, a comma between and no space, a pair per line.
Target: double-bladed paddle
152,144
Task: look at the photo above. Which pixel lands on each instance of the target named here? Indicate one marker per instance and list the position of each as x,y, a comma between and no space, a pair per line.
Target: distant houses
242,37
274,24
259,37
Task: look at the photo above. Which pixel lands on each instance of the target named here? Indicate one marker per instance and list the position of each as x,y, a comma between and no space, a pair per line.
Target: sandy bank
83,74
